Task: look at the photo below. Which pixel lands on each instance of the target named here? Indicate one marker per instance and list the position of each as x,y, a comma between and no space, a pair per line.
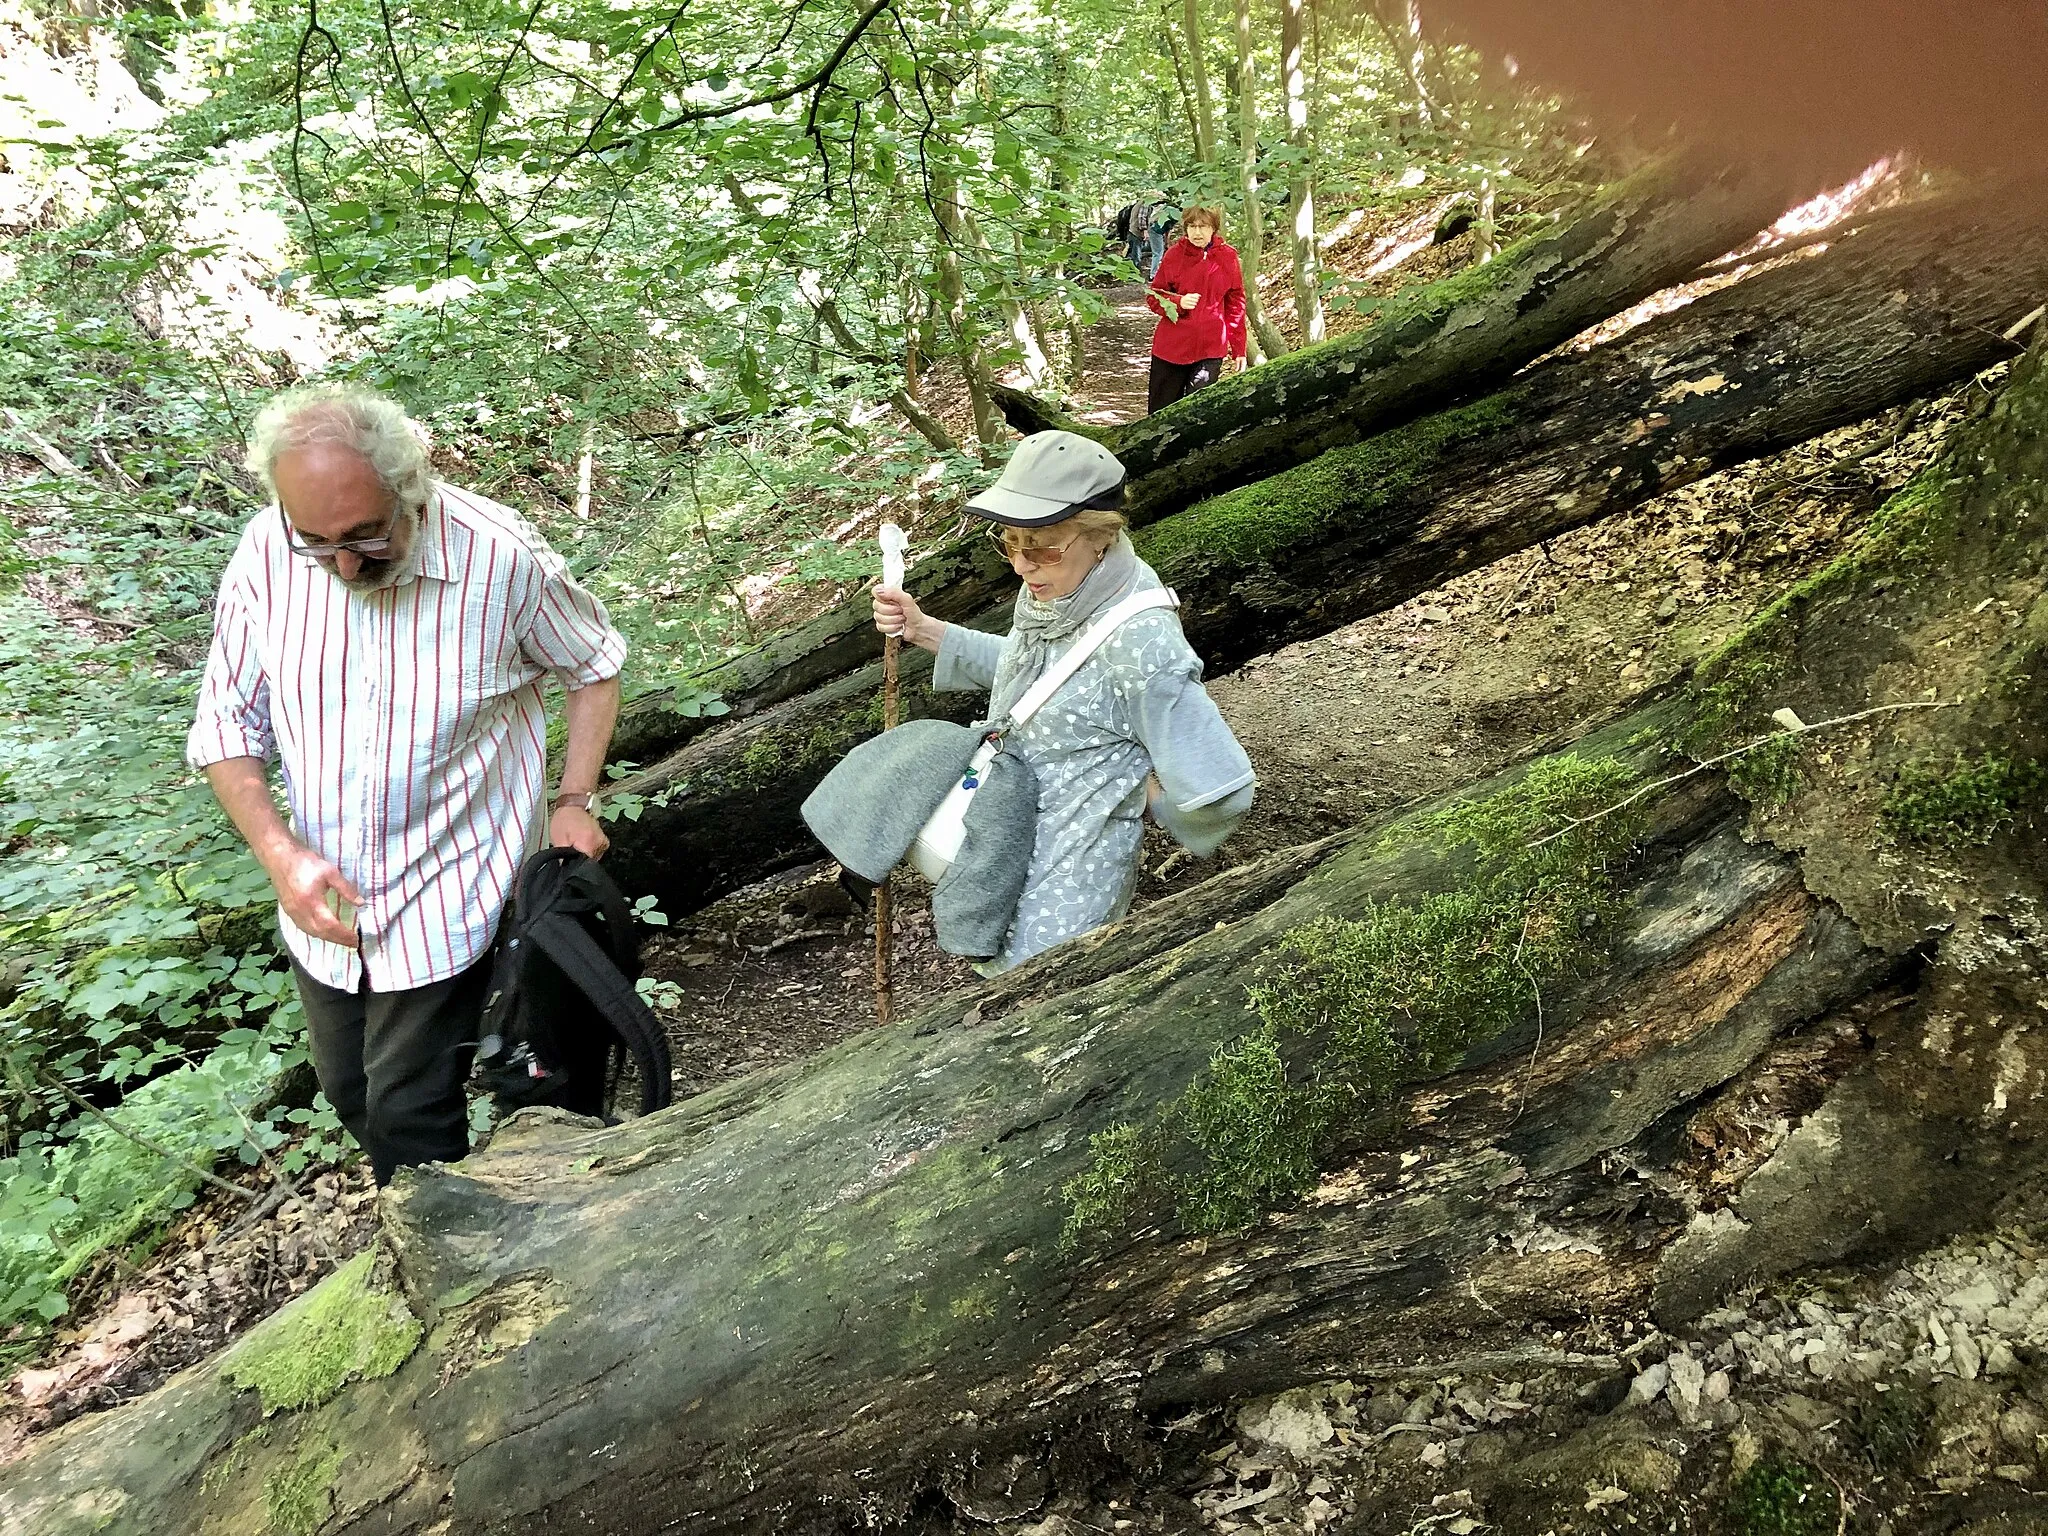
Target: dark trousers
393,1063
1170,381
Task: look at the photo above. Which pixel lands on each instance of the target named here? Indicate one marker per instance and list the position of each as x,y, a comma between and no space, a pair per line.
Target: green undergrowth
1359,1006
1966,803
353,1326
1780,1496
1344,486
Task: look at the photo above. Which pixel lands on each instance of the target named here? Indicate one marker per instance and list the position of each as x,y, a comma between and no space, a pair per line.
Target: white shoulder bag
938,841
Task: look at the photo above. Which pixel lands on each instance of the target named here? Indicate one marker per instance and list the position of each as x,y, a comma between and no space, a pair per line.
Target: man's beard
377,574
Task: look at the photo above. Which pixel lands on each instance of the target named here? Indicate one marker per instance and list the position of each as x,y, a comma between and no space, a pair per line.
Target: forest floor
1450,687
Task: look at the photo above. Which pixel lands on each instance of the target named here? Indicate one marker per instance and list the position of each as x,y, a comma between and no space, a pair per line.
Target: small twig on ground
1530,1069
734,980
1514,592
788,939
1573,823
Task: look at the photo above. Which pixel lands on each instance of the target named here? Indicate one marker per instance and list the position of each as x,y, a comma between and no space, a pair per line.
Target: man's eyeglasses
370,548
1037,554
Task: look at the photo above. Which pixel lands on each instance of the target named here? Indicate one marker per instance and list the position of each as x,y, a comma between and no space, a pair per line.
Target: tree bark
1406,40
1265,334
829,1291
948,214
1821,343
1301,196
1198,71
838,1282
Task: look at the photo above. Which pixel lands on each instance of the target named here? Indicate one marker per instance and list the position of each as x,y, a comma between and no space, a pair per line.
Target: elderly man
387,636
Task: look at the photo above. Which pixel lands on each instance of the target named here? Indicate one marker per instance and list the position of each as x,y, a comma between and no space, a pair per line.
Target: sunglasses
371,547
1037,554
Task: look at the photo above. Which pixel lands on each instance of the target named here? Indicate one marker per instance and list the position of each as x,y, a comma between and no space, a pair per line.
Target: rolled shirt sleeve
967,660
1207,779
233,717
565,627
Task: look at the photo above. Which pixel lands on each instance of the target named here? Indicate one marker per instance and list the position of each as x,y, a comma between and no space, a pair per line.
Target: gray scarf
1042,629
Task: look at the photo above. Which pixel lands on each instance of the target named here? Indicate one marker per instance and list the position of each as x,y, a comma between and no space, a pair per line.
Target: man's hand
574,827
302,879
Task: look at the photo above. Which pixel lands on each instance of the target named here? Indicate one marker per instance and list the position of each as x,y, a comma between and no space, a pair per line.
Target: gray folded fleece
871,806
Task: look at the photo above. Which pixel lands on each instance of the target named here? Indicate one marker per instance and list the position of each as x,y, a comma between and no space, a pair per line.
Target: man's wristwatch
582,801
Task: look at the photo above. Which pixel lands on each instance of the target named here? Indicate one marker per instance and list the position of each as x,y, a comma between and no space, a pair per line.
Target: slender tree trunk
1024,333
1066,183
1265,334
950,217
1198,73
1169,34
1486,229
1301,201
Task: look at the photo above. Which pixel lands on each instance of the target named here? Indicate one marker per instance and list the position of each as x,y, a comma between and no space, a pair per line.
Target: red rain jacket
1215,327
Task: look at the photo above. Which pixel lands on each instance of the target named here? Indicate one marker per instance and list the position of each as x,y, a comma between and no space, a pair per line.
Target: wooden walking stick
894,542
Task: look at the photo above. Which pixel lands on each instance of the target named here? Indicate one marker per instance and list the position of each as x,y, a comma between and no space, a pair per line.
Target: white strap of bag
1091,640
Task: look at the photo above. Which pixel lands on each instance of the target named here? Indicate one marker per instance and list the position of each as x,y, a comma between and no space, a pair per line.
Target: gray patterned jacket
1136,707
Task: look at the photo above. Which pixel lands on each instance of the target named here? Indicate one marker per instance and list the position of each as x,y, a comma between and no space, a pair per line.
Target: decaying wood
1914,302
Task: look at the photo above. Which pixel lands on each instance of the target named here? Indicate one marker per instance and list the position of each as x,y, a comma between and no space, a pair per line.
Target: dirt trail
1117,360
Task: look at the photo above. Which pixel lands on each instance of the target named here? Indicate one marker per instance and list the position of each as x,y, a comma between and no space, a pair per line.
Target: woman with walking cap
1132,732
1198,294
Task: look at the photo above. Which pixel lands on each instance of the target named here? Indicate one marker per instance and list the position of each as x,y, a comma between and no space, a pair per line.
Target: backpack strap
1055,676
569,944
557,887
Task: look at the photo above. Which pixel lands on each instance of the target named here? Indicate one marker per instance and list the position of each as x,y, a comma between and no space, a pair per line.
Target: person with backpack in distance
386,637
1198,294
1129,732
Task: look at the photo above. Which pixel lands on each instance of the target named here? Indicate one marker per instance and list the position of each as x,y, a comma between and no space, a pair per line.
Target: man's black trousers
393,1063
1172,381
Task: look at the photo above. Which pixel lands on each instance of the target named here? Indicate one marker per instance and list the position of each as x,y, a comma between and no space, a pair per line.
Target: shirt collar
431,559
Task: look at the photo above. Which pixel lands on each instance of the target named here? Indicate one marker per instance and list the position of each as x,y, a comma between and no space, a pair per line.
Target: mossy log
1443,339
1913,302
831,1294
830,1285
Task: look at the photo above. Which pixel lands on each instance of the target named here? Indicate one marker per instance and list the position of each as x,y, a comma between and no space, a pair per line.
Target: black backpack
561,1010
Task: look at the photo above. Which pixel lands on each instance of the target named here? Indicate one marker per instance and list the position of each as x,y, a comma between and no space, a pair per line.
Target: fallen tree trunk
1444,339
824,1293
782,1298
1914,302
1447,339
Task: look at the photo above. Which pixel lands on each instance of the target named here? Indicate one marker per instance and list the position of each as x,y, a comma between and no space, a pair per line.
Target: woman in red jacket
1198,294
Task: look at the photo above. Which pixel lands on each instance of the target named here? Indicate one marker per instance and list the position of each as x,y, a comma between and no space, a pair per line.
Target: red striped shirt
409,722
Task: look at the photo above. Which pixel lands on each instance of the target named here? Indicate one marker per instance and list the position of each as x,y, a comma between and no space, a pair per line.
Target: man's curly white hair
353,416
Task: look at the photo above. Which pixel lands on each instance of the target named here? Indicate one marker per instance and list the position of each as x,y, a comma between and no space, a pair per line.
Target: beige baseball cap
1050,477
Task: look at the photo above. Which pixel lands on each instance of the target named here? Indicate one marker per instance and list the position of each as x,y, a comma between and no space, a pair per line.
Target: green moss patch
1769,773
352,1327
1782,1497
1360,1006
1967,803
1257,523
298,1498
